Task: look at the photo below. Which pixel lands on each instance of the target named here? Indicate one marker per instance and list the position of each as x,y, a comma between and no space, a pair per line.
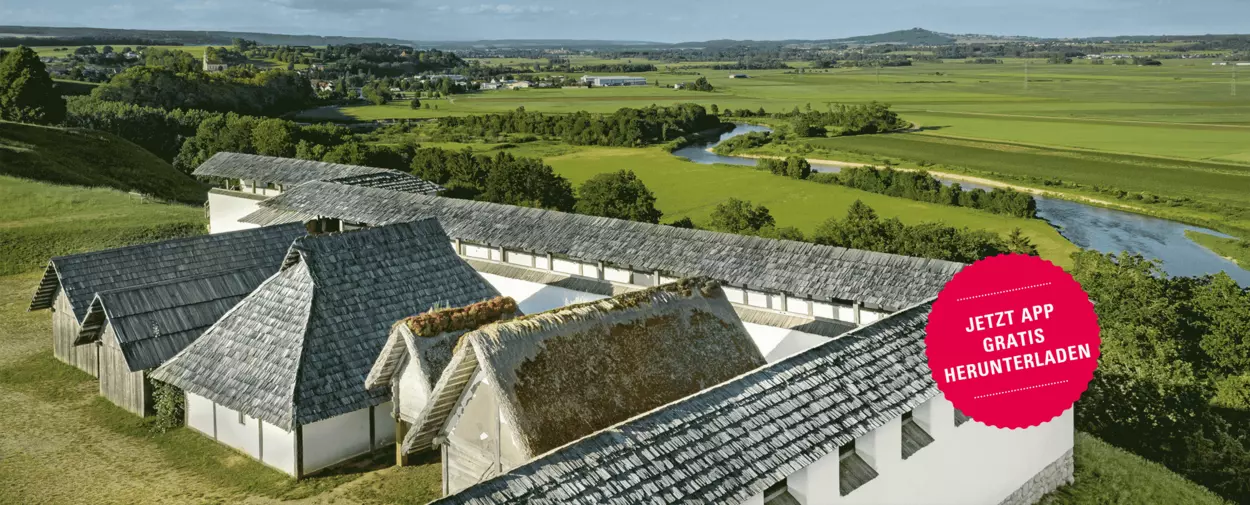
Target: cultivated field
1184,108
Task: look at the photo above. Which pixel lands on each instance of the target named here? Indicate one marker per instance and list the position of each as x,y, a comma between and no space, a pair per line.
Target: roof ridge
178,240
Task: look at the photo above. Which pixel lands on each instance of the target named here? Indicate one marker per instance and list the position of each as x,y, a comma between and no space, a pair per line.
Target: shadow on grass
418,483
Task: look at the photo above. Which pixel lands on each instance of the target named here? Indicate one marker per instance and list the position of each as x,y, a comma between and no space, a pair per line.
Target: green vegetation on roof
437,322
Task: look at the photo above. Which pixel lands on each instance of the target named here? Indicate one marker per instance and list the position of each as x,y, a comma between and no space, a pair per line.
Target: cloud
503,9
340,6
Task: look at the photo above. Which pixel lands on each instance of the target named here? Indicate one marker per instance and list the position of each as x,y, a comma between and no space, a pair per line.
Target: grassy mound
90,158
38,221
1106,475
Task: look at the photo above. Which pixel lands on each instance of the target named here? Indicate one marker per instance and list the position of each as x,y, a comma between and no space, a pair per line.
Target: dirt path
966,178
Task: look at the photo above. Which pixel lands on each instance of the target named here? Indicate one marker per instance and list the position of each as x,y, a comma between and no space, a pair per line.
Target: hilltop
91,158
912,37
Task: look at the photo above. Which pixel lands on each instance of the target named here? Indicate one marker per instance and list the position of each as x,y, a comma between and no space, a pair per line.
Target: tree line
921,186
912,185
271,92
1173,379
863,229
626,127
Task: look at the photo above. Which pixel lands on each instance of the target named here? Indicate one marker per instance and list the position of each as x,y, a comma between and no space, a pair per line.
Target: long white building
615,80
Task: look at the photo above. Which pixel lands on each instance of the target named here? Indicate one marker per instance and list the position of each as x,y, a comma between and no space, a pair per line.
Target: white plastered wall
224,212
325,442
968,464
336,439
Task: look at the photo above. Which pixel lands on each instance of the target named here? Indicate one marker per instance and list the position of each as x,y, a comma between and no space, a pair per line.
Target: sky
647,20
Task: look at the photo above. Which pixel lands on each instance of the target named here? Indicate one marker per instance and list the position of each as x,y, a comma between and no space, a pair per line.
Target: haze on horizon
644,20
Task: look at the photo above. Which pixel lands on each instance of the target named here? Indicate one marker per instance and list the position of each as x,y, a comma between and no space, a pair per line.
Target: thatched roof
84,275
729,443
879,281
154,321
430,339
291,171
298,349
566,373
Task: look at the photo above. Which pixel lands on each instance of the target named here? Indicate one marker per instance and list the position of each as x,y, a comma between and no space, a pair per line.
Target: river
1087,226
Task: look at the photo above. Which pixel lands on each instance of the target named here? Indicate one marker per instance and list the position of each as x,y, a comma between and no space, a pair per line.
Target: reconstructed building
249,179
518,388
281,376
791,294
857,420
118,313
419,347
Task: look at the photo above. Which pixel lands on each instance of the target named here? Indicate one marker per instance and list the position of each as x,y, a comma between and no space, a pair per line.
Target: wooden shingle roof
729,443
879,281
568,372
154,321
291,171
84,275
297,350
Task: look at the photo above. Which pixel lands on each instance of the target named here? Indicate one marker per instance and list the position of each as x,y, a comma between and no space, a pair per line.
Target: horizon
570,20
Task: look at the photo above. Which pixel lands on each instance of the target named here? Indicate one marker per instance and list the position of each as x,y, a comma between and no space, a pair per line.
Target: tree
740,216
701,84
274,137
621,195
526,182
797,167
377,93
27,93
414,104
715,110
1020,244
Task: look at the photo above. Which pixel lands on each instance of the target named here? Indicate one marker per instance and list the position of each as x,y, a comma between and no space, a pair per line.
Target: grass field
91,158
43,220
1106,475
196,51
1165,111
684,188
1218,191
1237,250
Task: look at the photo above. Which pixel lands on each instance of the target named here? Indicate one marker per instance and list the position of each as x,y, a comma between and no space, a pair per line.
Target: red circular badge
1012,341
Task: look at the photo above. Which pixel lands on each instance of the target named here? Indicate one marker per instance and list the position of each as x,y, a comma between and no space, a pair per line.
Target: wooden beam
401,432
299,451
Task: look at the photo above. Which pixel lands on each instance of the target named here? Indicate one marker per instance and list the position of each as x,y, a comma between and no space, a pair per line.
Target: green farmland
683,188
1169,111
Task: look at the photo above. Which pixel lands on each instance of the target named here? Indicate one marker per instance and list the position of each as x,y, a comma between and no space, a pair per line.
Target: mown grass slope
40,220
1106,475
90,158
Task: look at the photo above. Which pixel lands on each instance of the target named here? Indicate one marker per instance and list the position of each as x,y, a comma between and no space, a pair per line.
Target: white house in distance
857,420
248,179
281,376
617,80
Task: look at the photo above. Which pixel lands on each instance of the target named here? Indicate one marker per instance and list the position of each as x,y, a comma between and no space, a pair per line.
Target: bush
169,404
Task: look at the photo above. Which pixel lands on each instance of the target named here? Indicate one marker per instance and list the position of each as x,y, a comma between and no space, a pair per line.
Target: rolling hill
82,157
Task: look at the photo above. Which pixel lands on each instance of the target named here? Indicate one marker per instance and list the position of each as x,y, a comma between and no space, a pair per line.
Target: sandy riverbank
981,181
